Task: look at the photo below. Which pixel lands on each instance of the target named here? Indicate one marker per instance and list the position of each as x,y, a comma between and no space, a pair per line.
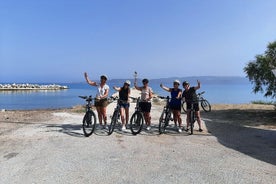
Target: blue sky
57,40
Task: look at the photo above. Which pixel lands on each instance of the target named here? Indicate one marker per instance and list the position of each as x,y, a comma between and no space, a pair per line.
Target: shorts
101,103
175,107
196,106
145,106
124,105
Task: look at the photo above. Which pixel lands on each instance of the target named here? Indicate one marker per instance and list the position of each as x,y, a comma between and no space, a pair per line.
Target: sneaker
179,130
148,128
106,127
100,126
187,129
200,130
123,128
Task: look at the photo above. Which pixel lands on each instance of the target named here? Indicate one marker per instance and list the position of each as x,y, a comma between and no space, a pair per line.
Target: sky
58,40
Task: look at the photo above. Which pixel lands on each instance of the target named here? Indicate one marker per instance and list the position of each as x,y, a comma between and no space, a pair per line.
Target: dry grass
244,114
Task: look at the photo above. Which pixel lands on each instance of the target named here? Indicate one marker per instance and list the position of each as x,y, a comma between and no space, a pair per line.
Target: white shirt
145,93
102,90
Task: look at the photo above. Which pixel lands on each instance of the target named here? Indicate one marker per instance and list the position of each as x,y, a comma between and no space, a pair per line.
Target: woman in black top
189,95
124,93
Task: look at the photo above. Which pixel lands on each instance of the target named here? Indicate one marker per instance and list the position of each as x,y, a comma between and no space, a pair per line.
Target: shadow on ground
236,129
69,129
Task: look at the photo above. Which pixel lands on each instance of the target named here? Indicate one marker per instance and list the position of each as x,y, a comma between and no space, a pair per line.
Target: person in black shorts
145,104
189,95
124,93
175,103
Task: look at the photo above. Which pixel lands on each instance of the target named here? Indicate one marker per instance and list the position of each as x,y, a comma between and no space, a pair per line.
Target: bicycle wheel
136,122
113,122
162,122
192,121
206,105
88,123
184,107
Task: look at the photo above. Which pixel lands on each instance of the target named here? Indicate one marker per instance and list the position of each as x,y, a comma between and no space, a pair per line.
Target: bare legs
198,119
102,115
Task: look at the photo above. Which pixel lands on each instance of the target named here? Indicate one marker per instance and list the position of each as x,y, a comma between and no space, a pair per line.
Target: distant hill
193,79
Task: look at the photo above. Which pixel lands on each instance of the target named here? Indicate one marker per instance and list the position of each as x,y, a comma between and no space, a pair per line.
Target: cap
185,83
176,81
127,82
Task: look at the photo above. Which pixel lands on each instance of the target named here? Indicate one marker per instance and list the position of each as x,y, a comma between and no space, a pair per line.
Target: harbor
28,86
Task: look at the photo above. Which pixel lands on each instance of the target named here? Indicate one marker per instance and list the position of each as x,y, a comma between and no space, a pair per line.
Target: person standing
175,102
124,93
190,96
101,98
145,104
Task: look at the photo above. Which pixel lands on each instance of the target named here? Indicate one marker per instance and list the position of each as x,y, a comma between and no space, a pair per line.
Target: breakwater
32,87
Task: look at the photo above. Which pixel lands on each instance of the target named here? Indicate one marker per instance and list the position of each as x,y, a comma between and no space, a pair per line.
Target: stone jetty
31,87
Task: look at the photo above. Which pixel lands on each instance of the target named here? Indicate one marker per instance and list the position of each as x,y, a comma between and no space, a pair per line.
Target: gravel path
55,151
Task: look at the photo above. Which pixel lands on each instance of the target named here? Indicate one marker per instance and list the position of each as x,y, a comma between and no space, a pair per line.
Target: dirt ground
254,115
238,145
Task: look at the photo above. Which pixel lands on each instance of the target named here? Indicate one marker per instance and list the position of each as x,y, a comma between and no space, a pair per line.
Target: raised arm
117,88
136,87
198,85
92,83
165,88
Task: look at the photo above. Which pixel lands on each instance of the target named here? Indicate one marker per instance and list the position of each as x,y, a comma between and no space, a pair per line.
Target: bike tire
162,123
114,120
88,123
206,106
192,121
136,123
184,107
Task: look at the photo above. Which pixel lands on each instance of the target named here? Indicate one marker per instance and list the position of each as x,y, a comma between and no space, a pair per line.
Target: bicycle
203,103
193,115
137,119
89,119
115,117
166,115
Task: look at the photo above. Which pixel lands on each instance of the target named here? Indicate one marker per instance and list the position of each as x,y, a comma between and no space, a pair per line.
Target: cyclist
145,104
175,103
189,95
101,98
124,93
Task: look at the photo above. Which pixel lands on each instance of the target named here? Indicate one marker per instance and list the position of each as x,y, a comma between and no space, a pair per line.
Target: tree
259,72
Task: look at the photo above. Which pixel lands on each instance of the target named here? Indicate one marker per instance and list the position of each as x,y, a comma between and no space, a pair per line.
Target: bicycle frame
115,117
89,119
137,119
165,115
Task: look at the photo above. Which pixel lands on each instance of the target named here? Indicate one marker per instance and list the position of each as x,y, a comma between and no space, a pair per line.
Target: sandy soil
238,145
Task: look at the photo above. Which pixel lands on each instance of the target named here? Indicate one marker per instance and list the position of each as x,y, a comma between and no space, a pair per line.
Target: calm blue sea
227,90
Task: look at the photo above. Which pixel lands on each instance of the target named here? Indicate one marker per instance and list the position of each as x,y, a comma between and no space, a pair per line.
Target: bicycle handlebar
201,93
162,97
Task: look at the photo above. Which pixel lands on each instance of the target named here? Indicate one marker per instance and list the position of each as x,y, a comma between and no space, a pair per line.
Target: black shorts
196,106
175,107
145,106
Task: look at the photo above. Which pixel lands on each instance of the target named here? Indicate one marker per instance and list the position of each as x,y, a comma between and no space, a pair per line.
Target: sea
218,90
